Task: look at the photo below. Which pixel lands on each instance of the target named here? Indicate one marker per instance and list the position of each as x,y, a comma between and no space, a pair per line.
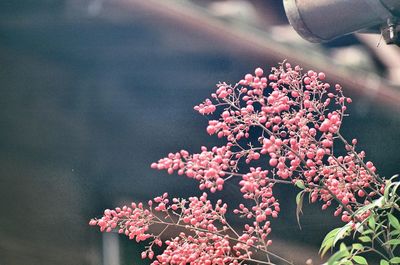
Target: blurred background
93,91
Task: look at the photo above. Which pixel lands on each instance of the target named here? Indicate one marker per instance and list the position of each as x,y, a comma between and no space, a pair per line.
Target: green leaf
341,233
360,260
383,262
390,188
325,248
395,232
327,243
366,232
395,260
357,246
376,203
300,184
337,256
299,204
365,239
387,189
343,247
393,221
371,222
393,242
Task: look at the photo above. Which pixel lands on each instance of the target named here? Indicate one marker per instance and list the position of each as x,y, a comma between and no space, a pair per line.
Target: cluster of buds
206,240
299,117
208,167
289,122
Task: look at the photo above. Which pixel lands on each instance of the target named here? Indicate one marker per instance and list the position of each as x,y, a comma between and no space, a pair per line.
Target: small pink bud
273,162
346,218
248,77
259,72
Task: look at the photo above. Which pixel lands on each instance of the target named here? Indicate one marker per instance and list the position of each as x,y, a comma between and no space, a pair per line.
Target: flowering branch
208,237
295,118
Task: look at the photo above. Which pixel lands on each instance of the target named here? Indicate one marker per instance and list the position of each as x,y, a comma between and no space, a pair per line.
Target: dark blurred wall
88,102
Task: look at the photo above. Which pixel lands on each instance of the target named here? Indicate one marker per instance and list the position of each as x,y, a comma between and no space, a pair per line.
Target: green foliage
384,262
299,205
393,221
395,260
379,234
327,243
360,260
300,184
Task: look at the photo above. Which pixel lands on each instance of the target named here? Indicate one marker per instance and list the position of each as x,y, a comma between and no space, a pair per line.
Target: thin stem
262,262
340,136
327,189
273,180
222,235
269,132
359,158
377,252
231,228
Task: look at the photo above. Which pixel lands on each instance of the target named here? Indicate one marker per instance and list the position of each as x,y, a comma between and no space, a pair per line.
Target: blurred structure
329,19
93,91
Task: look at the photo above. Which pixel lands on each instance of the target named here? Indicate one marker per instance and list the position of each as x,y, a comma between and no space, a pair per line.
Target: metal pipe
324,20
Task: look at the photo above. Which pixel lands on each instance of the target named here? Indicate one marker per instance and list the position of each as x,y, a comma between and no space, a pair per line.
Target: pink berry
259,72
321,76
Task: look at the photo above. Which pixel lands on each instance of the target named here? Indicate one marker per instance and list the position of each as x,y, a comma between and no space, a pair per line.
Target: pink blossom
295,118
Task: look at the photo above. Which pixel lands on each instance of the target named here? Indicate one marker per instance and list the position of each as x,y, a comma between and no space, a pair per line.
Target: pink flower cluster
299,116
208,167
295,119
132,221
205,243
202,248
201,213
